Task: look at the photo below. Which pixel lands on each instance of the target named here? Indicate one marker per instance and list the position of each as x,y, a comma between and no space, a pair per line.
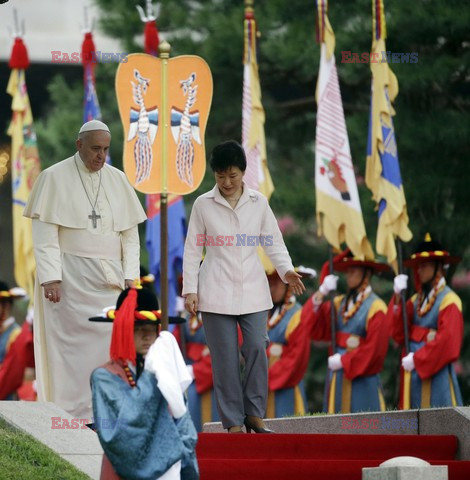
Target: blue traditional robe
139,436
364,392
362,342
436,339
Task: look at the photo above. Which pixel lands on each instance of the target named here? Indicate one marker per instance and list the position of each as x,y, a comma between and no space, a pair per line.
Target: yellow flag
383,175
257,174
25,167
339,213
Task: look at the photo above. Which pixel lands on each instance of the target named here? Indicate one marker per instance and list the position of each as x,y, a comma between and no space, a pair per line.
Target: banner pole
164,53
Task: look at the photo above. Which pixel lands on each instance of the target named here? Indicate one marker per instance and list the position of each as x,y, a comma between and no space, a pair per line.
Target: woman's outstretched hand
295,282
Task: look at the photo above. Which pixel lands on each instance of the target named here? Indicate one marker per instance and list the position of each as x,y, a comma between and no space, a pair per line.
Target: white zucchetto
94,125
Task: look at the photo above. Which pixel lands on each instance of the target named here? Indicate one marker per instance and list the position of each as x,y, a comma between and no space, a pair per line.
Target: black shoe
251,426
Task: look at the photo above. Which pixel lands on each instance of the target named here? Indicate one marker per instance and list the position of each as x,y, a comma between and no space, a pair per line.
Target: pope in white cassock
86,243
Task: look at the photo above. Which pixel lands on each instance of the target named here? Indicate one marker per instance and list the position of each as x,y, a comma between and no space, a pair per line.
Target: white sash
82,243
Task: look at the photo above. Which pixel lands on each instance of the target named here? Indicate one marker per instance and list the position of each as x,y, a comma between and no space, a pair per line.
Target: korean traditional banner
164,106
339,213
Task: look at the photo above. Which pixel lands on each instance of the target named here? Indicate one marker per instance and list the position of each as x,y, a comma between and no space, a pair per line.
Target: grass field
24,458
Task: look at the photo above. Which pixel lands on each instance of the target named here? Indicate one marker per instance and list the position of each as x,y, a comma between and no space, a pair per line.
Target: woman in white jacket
230,288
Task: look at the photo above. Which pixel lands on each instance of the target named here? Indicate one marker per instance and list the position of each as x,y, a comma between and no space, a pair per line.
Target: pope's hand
295,282
400,283
408,362
329,285
191,303
52,291
334,362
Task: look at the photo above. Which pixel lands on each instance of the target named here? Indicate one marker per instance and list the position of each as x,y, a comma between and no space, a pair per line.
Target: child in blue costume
142,423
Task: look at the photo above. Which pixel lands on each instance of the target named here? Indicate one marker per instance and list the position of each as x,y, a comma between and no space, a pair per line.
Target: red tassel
151,38
19,55
122,341
88,46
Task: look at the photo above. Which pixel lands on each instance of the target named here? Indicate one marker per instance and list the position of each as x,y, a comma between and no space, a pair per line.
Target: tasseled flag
257,174
122,347
25,166
176,214
339,213
383,175
91,106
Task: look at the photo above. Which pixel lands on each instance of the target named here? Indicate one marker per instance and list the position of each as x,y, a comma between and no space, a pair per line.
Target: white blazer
231,279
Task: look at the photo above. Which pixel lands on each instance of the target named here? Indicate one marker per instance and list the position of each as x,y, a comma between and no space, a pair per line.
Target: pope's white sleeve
193,250
274,245
131,253
47,251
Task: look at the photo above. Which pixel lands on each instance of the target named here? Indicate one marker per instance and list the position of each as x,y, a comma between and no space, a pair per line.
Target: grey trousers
238,393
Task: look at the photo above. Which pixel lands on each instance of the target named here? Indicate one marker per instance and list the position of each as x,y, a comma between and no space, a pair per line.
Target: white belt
85,244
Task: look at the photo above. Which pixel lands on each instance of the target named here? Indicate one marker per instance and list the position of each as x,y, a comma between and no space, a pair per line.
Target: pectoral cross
93,217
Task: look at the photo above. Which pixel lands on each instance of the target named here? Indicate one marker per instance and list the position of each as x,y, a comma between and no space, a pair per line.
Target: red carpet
324,457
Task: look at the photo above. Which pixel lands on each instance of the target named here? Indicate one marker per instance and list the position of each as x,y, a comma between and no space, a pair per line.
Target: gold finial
164,49
249,3
427,237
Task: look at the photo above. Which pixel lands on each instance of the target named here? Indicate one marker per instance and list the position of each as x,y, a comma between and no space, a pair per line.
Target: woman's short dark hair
227,154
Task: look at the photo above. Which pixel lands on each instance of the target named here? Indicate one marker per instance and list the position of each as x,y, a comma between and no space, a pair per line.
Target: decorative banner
339,213
383,175
140,93
91,106
25,166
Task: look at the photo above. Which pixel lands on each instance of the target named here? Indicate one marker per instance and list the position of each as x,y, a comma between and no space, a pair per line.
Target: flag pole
403,297
332,301
406,373
164,51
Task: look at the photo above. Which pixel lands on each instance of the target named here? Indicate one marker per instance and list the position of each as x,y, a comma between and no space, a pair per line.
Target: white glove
306,271
408,362
190,371
334,362
179,304
329,284
400,283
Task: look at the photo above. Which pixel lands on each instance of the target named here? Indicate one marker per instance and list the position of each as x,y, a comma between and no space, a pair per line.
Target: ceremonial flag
91,106
257,174
339,214
25,167
176,211
382,169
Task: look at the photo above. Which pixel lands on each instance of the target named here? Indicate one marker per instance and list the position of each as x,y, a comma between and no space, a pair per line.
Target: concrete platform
432,421
79,446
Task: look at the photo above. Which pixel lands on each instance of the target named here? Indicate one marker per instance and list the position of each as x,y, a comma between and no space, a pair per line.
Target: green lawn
24,458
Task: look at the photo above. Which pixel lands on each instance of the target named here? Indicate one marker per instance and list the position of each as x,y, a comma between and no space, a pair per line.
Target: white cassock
92,264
